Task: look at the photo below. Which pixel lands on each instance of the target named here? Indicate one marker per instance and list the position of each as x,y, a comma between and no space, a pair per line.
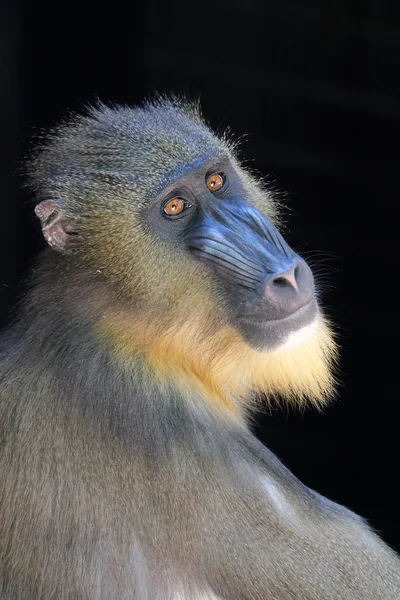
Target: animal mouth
298,314
267,334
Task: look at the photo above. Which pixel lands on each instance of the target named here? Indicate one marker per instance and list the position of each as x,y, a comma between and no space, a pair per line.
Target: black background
315,86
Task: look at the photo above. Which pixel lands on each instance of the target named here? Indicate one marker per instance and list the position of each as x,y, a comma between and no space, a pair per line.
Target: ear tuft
53,220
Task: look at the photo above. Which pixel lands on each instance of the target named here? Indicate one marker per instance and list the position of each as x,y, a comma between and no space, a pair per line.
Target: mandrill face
162,209
268,289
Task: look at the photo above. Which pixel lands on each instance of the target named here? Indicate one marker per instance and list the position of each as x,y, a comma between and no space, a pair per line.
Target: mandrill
167,302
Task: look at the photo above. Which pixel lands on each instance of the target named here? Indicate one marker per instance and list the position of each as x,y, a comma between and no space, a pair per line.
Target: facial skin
267,287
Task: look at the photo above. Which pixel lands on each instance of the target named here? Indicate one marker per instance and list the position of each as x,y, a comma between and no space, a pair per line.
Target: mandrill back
166,302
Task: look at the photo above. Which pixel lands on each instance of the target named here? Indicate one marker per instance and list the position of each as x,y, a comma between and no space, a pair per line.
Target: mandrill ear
56,226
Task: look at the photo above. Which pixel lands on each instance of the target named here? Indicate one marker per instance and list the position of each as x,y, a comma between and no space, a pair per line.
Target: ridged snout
270,280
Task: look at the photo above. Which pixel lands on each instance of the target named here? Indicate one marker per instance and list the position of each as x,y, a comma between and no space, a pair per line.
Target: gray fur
113,488
137,150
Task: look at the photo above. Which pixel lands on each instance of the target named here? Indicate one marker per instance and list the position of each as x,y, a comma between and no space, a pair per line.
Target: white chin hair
298,337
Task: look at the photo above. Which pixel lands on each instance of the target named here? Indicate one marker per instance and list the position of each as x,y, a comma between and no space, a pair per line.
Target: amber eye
215,182
174,207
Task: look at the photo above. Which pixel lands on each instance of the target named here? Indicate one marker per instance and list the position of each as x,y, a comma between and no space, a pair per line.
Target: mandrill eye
175,207
215,182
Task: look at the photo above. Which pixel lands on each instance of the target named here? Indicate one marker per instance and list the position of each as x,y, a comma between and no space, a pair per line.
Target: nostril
280,281
286,280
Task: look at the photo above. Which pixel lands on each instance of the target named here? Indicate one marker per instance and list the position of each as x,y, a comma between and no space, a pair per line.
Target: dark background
315,85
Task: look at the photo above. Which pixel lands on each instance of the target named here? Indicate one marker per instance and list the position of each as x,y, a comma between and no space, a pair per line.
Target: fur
127,468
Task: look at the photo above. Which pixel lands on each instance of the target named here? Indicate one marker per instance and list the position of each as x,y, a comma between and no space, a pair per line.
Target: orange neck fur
223,368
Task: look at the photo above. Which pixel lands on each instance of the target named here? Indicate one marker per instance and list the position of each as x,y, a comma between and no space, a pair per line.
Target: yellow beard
223,368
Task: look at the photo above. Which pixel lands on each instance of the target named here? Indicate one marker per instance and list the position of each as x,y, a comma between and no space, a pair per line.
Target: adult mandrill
167,301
